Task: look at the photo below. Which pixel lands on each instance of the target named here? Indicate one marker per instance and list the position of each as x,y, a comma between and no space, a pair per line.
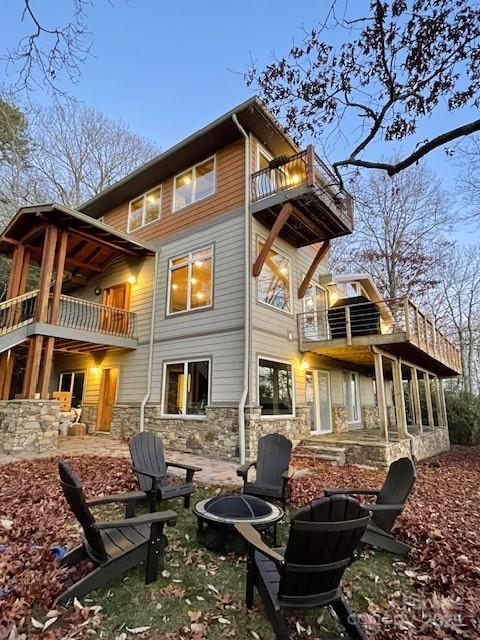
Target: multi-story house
193,299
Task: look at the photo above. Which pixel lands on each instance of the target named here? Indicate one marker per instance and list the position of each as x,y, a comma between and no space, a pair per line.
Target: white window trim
144,209
325,291
290,279
66,373
261,150
359,406
189,308
276,416
194,182
181,416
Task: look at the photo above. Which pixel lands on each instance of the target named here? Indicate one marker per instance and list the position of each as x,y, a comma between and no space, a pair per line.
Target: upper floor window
195,184
190,281
145,209
273,283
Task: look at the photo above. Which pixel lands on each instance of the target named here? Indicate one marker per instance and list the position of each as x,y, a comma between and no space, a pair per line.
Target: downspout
246,343
150,350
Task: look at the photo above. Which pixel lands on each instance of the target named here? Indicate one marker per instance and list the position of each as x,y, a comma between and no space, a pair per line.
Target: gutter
150,350
246,345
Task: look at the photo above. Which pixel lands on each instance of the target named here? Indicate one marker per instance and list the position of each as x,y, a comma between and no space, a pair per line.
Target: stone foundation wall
429,444
370,418
29,426
296,429
89,417
339,418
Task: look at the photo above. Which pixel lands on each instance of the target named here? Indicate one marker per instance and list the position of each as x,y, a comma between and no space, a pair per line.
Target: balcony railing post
407,319
310,165
348,325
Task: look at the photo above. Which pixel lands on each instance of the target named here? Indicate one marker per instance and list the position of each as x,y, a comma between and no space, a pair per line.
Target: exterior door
117,297
318,398
106,399
315,323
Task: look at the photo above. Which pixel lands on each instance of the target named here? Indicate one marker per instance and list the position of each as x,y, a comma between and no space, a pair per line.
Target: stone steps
335,455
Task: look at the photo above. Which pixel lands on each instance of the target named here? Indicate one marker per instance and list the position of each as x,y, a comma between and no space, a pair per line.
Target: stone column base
29,426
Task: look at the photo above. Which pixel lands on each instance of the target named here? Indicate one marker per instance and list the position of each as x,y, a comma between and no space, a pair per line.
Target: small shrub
463,411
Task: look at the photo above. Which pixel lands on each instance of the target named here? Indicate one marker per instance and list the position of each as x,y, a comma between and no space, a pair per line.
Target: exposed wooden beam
313,267
278,225
106,243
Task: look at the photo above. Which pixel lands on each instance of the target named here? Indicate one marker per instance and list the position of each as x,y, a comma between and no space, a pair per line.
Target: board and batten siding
215,332
133,363
229,195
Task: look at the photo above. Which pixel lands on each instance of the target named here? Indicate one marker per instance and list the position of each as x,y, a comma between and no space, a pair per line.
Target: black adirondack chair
272,466
390,502
307,573
113,547
150,467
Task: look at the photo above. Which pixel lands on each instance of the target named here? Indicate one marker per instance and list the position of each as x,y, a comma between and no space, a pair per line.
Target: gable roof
251,114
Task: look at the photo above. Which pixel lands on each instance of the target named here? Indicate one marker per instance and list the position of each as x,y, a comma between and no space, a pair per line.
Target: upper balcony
79,324
321,209
348,332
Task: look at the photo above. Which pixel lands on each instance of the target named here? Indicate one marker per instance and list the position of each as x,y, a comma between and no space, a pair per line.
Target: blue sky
169,68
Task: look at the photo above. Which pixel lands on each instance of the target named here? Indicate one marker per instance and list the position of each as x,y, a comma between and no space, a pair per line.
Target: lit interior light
200,296
174,286
131,280
304,364
94,370
187,180
284,271
198,263
309,303
295,179
333,297
194,281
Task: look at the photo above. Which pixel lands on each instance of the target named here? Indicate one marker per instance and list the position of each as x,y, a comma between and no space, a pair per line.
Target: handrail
25,296
385,317
18,312
304,167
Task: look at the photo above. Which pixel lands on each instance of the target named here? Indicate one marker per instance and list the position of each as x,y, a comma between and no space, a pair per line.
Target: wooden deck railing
381,318
303,168
74,313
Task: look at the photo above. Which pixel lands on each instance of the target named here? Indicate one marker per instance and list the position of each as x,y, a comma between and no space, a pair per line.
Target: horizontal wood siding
218,331
229,195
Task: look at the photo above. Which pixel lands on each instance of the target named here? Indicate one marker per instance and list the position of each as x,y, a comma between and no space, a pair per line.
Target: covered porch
67,249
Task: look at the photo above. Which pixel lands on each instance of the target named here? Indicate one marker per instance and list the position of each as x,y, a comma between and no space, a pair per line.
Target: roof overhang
251,115
91,244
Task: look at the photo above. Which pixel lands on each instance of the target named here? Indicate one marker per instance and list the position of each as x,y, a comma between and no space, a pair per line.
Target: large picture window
186,387
273,283
145,209
190,281
275,387
194,184
352,396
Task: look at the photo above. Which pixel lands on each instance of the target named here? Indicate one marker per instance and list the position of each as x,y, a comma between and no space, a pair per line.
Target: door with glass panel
318,399
315,321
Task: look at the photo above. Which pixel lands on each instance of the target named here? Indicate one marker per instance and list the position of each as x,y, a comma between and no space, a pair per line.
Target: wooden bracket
278,225
313,267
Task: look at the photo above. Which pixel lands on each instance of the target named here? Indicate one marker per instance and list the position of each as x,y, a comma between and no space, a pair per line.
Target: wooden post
278,225
428,398
348,325
443,404
36,342
416,400
310,166
381,399
400,412
407,319
438,399
54,313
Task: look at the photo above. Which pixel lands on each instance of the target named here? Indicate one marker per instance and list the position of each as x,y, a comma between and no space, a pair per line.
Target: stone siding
370,418
429,444
29,426
256,426
339,418
89,417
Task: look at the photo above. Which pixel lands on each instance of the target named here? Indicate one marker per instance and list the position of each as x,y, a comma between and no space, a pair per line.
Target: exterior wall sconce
131,280
94,370
97,291
304,364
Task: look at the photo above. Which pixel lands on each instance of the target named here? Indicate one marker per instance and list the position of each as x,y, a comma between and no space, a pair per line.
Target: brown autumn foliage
441,521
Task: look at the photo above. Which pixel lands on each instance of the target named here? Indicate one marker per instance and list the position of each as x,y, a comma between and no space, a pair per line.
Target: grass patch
205,588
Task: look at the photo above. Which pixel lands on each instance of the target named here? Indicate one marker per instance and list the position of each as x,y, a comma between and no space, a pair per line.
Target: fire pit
217,517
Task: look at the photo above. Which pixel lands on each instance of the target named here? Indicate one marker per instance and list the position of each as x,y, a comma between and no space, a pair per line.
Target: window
73,381
273,283
186,388
190,281
352,398
145,209
275,387
195,184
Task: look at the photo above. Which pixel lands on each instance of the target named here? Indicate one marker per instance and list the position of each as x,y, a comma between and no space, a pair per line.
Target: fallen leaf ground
435,595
